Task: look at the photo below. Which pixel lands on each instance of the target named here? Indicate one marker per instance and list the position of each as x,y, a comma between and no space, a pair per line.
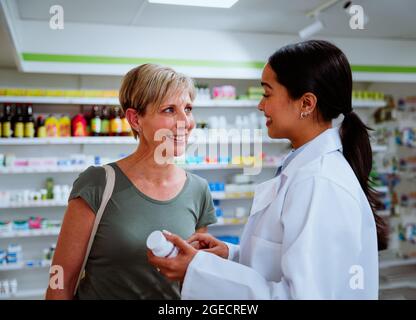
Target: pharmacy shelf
35,204
131,140
30,233
382,189
397,285
25,266
68,140
24,294
229,222
396,263
379,148
52,203
19,170
219,166
208,103
218,195
195,167
368,103
120,140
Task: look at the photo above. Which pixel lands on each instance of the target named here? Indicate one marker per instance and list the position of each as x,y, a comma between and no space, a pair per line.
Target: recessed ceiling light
198,3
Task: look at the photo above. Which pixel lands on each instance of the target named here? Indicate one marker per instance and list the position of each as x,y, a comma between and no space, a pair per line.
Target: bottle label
41,132
19,130
95,125
7,129
115,125
64,130
29,130
105,126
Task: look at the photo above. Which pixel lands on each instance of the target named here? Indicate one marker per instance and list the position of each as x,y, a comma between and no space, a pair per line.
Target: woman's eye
188,109
265,95
168,110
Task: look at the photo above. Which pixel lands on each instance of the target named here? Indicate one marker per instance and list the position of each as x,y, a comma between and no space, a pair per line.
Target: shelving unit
112,146
24,294
30,233
198,103
23,266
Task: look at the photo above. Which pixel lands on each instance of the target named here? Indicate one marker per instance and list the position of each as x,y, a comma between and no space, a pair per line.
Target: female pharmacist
312,231
148,194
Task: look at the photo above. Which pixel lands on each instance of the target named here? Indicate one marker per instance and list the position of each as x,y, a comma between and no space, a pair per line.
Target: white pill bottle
160,246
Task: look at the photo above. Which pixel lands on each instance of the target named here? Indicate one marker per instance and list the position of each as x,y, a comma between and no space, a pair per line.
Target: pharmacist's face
171,123
281,112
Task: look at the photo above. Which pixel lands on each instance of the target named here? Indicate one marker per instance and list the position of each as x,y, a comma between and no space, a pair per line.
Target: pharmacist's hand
208,243
174,268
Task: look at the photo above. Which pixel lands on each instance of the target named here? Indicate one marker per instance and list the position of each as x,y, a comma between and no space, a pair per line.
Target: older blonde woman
150,194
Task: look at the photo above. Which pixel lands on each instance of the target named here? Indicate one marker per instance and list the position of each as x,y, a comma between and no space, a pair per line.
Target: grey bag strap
108,191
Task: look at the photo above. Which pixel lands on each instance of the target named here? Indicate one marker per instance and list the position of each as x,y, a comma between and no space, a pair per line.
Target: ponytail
357,150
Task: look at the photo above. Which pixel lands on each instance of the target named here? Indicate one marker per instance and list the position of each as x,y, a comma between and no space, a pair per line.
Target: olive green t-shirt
117,267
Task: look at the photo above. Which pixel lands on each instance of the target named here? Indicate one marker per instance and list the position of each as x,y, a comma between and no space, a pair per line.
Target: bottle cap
158,244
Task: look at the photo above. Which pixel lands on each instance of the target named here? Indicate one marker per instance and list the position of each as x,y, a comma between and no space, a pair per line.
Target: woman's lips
268,121
177,139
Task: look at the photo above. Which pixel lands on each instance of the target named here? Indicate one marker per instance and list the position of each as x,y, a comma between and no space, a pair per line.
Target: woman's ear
308,104
134,119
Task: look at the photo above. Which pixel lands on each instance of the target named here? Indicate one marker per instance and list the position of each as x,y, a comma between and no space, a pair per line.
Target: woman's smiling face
172,121
280,110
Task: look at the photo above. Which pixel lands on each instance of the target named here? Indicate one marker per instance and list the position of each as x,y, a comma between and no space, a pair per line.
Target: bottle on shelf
18,123
64,125
115,122
40,127
95,121
52,126
29,122
79,126
6,122
105,122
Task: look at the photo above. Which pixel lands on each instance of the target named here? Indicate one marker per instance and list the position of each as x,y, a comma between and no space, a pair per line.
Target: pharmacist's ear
307,104
134,119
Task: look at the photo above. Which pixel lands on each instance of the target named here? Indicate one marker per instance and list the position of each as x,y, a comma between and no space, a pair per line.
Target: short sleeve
207,215
89,186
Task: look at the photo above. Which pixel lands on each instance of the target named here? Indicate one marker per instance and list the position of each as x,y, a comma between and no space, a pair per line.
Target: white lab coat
311,234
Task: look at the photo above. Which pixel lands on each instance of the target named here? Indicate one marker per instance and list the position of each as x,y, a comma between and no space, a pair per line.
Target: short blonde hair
149,84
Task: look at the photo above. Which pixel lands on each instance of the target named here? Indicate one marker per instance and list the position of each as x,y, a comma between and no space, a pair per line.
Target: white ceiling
387,18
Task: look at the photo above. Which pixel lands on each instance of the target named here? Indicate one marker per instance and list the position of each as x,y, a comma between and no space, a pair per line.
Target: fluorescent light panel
198,3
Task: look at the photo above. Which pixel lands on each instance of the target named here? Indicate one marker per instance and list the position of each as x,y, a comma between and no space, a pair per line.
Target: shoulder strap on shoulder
108,191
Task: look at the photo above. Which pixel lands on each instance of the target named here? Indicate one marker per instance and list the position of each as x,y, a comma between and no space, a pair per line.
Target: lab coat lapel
266,192
326,142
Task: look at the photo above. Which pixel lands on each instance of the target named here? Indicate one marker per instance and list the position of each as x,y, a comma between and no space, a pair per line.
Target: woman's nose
184,120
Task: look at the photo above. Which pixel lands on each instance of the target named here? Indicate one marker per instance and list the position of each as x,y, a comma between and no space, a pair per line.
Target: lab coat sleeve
318,248
210,277
233,251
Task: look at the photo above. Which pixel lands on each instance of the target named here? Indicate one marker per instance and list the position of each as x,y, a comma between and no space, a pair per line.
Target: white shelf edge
221,103
382,189
31,233
219,195
117,140
28,293
398,285
80,169
23,266
68,140
36,204
42,204
130,140
396,263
